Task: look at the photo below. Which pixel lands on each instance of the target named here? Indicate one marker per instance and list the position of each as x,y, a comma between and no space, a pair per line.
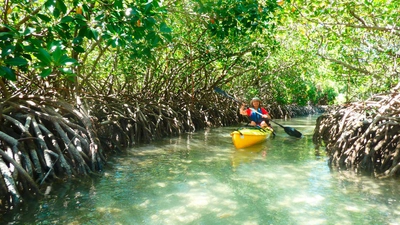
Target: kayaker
254,111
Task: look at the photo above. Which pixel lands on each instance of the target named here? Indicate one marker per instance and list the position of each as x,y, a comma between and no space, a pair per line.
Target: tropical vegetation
82,79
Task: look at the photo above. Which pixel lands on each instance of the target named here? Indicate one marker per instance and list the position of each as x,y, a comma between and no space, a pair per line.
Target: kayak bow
248,136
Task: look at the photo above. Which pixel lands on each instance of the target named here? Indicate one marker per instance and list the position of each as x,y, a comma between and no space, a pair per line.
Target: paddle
289,130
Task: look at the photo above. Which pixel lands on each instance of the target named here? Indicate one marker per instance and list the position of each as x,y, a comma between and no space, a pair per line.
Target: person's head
255,102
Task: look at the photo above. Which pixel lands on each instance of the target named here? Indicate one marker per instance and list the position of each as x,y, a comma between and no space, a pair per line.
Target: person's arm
265,114
243,110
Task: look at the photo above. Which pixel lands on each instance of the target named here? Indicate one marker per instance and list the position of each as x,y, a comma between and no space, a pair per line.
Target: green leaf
28,31
56,13
33,45
66,61
106,37
45,73
113,42
147,52
70,75
95,34
56,44
49,3
27,56
7,50
7,73
44,56
155,41
66,70
5,34
150,21
367,2
134,11
118,4
148,7
77,40
79,49
80,19
83,32
44,18
30,48
61,6
99,18
57,54
111,28
151,35
66,19
17,61
121,42
164,28
167,36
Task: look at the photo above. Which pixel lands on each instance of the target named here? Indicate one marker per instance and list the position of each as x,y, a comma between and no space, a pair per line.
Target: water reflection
201,178
249,154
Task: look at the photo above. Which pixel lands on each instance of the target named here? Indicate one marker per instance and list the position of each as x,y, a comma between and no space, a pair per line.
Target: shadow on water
201,178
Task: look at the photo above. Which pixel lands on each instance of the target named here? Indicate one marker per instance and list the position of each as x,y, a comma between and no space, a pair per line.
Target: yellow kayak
248,136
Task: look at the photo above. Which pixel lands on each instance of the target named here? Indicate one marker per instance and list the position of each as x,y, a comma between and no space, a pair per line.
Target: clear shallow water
201,178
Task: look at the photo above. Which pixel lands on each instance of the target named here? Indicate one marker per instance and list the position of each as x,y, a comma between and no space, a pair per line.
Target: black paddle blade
219,90
290,130
293,132
222,92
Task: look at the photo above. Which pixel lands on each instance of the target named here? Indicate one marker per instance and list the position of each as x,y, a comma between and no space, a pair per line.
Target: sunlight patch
352,208
310,200
145,204
161,184
108,210
177,215
199,200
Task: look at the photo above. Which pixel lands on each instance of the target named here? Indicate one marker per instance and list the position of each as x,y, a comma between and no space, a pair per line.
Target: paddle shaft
269,120
288,130
219,90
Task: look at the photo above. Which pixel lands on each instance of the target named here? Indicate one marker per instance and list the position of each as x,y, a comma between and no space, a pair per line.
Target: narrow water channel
201,178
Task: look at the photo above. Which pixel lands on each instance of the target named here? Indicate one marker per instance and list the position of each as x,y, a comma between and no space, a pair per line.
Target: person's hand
243,106
266,116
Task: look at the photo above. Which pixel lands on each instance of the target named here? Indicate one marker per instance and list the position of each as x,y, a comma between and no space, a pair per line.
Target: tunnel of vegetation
82,80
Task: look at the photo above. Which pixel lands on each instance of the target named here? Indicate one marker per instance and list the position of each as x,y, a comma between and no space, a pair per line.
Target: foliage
358,39
228,18
60,39
284,51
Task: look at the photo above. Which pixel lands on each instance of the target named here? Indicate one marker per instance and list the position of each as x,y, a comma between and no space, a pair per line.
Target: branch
345,64
6,7
389,29
26,18
364,26
357,17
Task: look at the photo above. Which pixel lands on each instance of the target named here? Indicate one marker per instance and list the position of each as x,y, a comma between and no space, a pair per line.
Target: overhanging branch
345,64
